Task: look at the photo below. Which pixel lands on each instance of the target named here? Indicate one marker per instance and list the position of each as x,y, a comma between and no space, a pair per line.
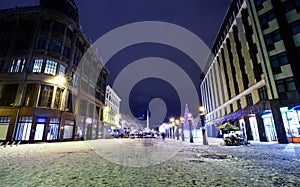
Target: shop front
291,118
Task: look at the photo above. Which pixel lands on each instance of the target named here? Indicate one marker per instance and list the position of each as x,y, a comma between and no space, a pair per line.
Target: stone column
280,130
248,128
261,128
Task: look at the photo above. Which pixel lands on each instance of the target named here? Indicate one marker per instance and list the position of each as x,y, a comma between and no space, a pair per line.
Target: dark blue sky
97,17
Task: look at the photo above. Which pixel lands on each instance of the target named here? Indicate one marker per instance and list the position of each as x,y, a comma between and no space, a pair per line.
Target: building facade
251,80
46,93
111,114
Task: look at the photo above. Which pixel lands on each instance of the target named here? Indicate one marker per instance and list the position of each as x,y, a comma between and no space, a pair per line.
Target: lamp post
182,127
177,128
190,128
172,127
202,116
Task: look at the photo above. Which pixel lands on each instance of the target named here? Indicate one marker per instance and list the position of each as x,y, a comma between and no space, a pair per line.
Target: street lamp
172,128
182,127
177,123
190,128
202,116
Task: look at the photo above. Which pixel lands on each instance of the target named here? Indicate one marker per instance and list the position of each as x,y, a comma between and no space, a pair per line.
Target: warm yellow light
172,120
177,121
202,109
189,115
181,119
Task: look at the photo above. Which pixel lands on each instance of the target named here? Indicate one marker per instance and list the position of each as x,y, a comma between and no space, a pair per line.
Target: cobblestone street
84,163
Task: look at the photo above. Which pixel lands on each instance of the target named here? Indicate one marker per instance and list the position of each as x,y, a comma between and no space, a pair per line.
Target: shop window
58,98
37,66
17,65
46,96
4,124
272,38
55,45
53,129
50,67
24,128
265,18
42,43
30,97
8,94
68,129
62,70
39,128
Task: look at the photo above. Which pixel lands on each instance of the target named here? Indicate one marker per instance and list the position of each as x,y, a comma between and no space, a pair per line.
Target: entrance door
39,131
254,129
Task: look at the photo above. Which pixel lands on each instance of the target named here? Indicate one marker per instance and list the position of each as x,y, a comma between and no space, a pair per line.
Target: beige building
111,113
252,80
46,94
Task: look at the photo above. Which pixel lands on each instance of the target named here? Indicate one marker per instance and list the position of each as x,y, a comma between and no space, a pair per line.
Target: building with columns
111,114
251,80
49,90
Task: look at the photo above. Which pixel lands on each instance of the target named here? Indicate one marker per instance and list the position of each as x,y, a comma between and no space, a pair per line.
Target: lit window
62,70
58,98
17,65
50,67
37,66
53,129
4,124
24,128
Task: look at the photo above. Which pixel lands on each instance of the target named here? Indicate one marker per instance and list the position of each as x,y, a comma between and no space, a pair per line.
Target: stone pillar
280,130
261,128
248,128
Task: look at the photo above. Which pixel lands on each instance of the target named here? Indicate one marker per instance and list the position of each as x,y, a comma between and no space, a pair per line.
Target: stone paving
172,163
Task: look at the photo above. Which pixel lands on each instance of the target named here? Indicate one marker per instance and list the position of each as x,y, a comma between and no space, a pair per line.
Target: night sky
98,17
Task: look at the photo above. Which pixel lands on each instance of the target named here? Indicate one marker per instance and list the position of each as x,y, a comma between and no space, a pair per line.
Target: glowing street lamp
202,116
182,127
177,123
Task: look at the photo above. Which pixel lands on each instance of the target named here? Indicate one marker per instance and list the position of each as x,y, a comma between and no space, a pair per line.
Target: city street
149,162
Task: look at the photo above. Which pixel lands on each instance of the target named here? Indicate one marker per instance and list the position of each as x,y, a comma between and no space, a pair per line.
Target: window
30,97
62,70
37,66
284,86
8,94
24,128
266,18
295,27
277,61
249,99
259,4
239,103
42,43
55,45
17,65
59,27
291,4
66,52
68,129
263,93
53,129
50,67
75,79
272,38
45,96
58,98
4,124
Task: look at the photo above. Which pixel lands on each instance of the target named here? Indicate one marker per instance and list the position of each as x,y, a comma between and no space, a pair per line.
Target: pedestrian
163,135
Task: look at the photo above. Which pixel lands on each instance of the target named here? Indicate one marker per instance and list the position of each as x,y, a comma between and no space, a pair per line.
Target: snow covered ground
160,163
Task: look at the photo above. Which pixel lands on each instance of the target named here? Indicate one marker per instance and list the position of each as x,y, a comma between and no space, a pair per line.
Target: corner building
45,94
252,79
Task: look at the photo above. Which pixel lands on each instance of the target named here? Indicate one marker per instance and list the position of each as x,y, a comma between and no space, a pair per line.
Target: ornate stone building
46,92
252,80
